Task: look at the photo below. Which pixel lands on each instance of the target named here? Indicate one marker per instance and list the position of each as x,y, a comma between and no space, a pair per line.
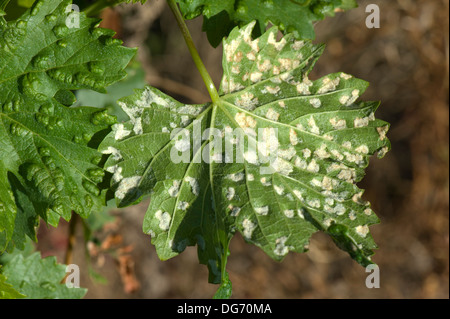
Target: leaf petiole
194,53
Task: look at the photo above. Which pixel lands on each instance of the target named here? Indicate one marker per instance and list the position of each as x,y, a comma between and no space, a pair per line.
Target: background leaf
49,164
39,278
297,16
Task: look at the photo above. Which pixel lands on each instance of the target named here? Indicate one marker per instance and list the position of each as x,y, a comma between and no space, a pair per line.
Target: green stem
3,4
194,53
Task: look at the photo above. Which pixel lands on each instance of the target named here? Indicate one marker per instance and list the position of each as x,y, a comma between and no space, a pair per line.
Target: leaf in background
135,79
39,278
28,249
93,8
297,16
279,162
7,291
49,164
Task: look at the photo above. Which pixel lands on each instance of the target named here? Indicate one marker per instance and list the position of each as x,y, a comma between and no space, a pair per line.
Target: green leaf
280,161
145,139
28,249
7,291
25,3
135,79
49,164
39,278
297,16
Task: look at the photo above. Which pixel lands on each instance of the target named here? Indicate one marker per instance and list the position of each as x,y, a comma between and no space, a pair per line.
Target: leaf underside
49,164
297,16
313,140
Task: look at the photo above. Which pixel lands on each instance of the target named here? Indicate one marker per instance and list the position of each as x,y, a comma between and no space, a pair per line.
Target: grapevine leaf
39,278
7,291
84,3
297,16
135,79
277,158
49,164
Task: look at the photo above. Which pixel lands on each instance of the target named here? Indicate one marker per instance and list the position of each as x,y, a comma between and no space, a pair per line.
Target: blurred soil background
406,63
